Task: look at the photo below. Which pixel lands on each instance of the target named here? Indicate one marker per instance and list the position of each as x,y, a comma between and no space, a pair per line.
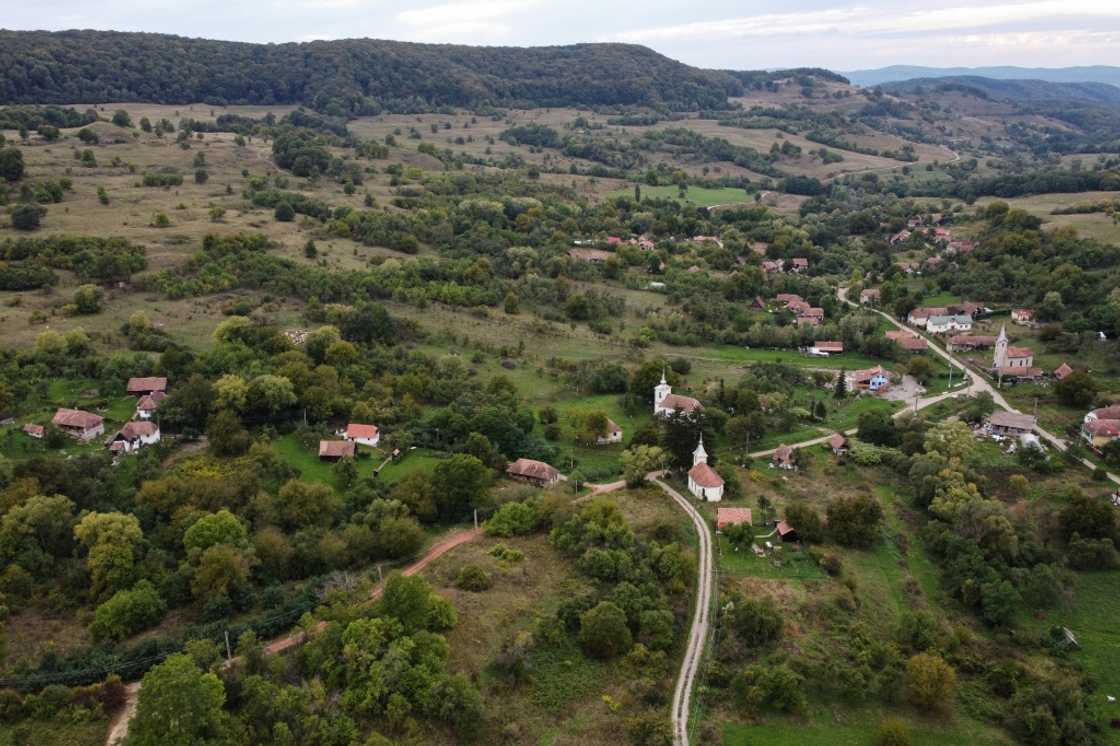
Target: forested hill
346,76
1016,91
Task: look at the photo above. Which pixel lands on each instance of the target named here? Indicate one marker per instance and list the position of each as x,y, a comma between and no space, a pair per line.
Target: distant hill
1023,92
1087,74
346,76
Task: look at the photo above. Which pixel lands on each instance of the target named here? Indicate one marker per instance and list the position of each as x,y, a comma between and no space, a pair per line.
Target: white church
703,482
665,402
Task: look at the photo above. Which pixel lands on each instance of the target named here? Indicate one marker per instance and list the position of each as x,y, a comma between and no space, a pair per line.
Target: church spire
700,456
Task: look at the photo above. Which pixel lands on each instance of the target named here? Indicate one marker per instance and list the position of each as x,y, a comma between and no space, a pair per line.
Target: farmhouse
134,436
907,340
838,443
783,457
142,386
1062,371
593,256
813,313
800,264
869,297
732,517
333,450
872,379
969,342
1111,412
773,266
665,402
1100,432
1022,316
79,424
1011,423
534,472
613,434
946,324
703,481
34,431
366,435
787,298
798,306
148,404
919,316
826,347
786,532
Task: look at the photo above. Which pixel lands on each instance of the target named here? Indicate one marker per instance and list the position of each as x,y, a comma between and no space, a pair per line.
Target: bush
603,632
930,682
806,521
892,732
756,622
284,212
513,519
473,578
854,521
27,217
128,612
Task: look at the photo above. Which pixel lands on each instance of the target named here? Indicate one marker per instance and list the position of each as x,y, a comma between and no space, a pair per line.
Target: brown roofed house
838,443
783,457
1062,371
534,472
333,450
732,517
33,430
148,385
1011,423
78,423
613,434
786,532
830,346
148,404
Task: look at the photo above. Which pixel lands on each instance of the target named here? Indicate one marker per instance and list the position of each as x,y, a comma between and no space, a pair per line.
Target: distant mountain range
1088,74
1016,91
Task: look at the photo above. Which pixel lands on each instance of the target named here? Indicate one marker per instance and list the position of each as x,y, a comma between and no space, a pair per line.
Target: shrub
513,519
473,578
854,521
756,622
27,217
930,682
506,553
892,732
128,612
603,632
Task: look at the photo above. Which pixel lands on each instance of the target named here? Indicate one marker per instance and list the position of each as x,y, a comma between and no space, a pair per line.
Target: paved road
977,384
698,634
118,726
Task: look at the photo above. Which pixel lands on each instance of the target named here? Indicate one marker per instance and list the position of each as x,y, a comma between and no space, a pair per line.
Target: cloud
468,13
866,21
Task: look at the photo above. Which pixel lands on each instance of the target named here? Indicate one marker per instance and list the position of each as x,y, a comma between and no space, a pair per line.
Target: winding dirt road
118,726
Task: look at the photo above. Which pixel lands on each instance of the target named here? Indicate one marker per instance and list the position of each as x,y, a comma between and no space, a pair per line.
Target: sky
726,34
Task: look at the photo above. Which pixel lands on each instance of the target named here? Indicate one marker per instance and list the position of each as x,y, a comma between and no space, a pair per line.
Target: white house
665,402
950,323
148,404
133,436
703,482
366,435
614,434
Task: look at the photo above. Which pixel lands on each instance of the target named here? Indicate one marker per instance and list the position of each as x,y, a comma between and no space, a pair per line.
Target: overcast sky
715,33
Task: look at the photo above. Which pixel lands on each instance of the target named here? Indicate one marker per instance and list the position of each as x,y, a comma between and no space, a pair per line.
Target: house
366,435
646,244
1022,316
34,431
773,265
961,246
613,240
967,308
872,379
798,306
1100,432
708,239
333,450
1011,423
703,481
869,297
79,424
969,342
787,298
909,267
534,472
919,316
1062,371
907,340
594,256
148,404
838,443
732,517
759,304
142,386
786,532
826,347
614,434
1007,357
783,457
665,402
800,264
134,436
901,237
807,321
1111,412
812,313
946,324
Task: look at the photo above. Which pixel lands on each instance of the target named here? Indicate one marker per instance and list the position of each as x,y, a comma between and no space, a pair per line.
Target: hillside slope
1017,91
1083,74
345,76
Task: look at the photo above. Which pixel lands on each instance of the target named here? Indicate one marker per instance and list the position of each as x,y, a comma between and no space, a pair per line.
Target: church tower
700,456
660,391
1000,358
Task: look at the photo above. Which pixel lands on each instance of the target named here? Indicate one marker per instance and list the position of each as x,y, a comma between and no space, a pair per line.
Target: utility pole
380,577
476,519
229,653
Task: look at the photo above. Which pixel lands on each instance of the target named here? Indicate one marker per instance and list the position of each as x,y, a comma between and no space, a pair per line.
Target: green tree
460,484
854,520
225,434
1078,389
640,460
513,519
892,731
930,683
121,118
27,217
284,212
127,612
87,299
603,632
178,705
221,571
11,164
112,541
211,529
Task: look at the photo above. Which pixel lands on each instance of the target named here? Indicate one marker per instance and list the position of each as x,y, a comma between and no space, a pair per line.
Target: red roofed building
141,386
665,402
1100,432
800,264
783,457
1062,371
367,435
148,404
832,347
732,517
838,443
33,430
703,481
1024,316
534,472
613,435
786,532
79,424
134,436
333,450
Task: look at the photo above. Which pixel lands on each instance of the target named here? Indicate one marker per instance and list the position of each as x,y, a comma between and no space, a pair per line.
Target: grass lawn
731,353
698,196
784,565
856,727
420,459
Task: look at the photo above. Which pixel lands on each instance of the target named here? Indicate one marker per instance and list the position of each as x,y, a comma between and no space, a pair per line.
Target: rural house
703,481
366,435
534,472
150,385
34,431
783,457
838,443
1111,412
907,340
1062,371
872,379
826,347
1101,432
1022,316
665,402
333,450
946,324
1010,423
79,424
786,532
613,434
800,264
134,436
919,316
732,517
869,297
148,404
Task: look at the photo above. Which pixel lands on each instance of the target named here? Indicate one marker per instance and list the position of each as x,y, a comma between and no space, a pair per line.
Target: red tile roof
829,346
1109,428
1062,371
732,517
76,418
838,441
705,476
532,469
355,431
1111,412
783,454
35,431
680,403
1019,352
145,385
336,449
784,528
150,402
138,428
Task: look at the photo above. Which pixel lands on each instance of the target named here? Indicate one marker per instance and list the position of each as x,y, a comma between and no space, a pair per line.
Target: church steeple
999,359
661,391
700,456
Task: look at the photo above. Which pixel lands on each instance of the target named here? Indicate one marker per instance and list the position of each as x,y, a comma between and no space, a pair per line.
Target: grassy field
1096,225
696,196
54,732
